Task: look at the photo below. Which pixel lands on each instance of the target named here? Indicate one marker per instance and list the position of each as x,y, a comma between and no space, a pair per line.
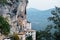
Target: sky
43,4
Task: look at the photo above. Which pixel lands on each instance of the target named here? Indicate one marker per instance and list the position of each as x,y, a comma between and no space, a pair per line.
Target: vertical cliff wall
15,11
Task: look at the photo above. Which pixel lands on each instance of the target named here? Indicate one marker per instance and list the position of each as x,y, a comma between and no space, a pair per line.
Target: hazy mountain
38,18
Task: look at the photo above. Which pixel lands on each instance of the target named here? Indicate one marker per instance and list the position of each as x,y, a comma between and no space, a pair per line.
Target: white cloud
43,4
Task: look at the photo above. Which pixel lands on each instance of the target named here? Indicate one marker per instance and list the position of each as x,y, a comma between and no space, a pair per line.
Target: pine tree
56,20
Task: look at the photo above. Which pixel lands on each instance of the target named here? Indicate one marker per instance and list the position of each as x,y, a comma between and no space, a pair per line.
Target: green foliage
14,37
29,38
49,27
41,35
38,35
4,26
56,20
46,34
3,1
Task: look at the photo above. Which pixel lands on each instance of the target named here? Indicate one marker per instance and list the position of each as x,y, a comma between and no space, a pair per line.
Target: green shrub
15,37
4,26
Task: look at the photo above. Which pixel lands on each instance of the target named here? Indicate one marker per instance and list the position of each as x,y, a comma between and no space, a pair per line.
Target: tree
42,35
56,20
29,38
46,34
14,37
4,26
38,35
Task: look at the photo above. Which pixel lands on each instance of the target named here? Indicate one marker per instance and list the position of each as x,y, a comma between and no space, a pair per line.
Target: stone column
24,37
34,35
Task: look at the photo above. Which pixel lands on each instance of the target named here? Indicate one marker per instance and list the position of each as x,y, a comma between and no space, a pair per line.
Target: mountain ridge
38,18
39,10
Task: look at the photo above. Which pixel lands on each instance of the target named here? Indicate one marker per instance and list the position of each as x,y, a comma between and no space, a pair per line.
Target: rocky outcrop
15,11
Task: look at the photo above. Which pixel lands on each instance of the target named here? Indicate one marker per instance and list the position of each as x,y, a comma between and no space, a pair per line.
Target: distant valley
38,18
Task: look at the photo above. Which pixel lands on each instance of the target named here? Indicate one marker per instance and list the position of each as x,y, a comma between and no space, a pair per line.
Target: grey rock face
10,7
13,8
